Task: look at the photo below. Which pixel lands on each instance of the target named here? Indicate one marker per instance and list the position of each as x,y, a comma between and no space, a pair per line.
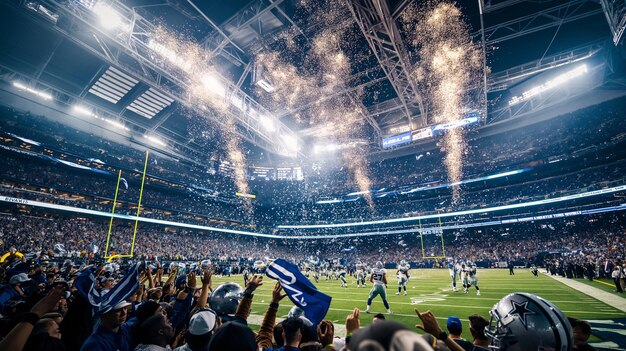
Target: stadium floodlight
31,90
267,123
83,111
323,148
116,124
213,84
291,143
265,85
109,18
549,85
154,139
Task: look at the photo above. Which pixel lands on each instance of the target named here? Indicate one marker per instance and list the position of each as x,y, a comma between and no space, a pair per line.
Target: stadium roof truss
131,80
127,50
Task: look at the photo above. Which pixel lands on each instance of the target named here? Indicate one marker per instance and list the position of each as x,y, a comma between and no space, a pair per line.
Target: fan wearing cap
455,329
112,333
14,290
201,327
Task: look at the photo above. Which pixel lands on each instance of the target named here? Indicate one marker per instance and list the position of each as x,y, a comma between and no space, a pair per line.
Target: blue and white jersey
452,269
378,276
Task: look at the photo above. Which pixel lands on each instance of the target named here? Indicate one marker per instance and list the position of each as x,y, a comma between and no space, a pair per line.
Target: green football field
430,289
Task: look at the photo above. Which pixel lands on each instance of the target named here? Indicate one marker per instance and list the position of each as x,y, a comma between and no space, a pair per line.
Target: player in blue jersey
452,268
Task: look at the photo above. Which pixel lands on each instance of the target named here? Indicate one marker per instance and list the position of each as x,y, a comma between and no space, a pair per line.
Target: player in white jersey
471,279
403,276
342,278
379,279
534,270
360,276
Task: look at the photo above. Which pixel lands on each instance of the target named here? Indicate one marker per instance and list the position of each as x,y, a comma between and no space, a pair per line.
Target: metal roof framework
128,51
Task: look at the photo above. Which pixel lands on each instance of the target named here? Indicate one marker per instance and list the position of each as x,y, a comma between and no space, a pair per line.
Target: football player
246,276
472,279
342,277
452,268
534,271
379,279
464,275
403,276
360,275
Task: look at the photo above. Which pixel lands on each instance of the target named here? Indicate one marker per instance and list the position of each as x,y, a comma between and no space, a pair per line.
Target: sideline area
612,331
609,298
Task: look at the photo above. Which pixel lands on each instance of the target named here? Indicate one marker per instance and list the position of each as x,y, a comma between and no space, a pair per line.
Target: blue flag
300,290
85,284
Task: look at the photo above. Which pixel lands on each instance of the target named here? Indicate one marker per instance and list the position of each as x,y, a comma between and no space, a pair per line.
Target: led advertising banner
396,140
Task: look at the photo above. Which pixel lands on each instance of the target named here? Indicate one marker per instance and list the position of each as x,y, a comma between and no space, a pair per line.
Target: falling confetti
449,65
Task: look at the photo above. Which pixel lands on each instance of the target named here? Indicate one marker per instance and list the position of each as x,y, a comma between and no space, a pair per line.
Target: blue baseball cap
454,322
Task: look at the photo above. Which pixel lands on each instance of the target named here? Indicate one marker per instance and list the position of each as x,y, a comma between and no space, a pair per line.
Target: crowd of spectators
50,306
25,178
597,238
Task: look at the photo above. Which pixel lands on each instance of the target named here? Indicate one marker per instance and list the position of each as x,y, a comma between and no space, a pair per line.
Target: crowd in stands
107,307
589,238
24,178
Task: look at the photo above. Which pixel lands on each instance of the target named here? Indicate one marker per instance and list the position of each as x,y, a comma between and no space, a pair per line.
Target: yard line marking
605,283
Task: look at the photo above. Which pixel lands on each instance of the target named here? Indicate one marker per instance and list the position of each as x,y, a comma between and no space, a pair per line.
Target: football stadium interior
257,175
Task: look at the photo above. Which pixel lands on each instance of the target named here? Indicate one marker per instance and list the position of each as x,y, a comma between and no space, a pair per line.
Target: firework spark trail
449,65
316,82
205,89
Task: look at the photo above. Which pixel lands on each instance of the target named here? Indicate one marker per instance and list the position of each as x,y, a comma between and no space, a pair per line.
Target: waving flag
85,284
300,290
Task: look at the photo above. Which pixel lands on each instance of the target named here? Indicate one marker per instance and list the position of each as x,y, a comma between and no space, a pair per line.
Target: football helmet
379,265
523,322
403,263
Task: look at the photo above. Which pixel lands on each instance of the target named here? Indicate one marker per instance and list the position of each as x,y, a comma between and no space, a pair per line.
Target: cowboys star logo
521,310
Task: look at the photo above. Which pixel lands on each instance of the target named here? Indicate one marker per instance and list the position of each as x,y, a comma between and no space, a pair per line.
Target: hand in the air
352,321
276,293
429,323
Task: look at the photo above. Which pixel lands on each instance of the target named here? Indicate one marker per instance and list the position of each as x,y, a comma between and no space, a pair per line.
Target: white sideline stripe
617,302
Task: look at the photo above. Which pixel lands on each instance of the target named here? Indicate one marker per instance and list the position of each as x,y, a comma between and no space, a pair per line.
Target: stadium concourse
312,175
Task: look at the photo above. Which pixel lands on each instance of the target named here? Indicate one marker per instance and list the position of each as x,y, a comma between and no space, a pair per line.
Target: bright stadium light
116,124
83,110
31,90
155,140
109,18
326,148
267,123
213,84
549,85
265,85
291,143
